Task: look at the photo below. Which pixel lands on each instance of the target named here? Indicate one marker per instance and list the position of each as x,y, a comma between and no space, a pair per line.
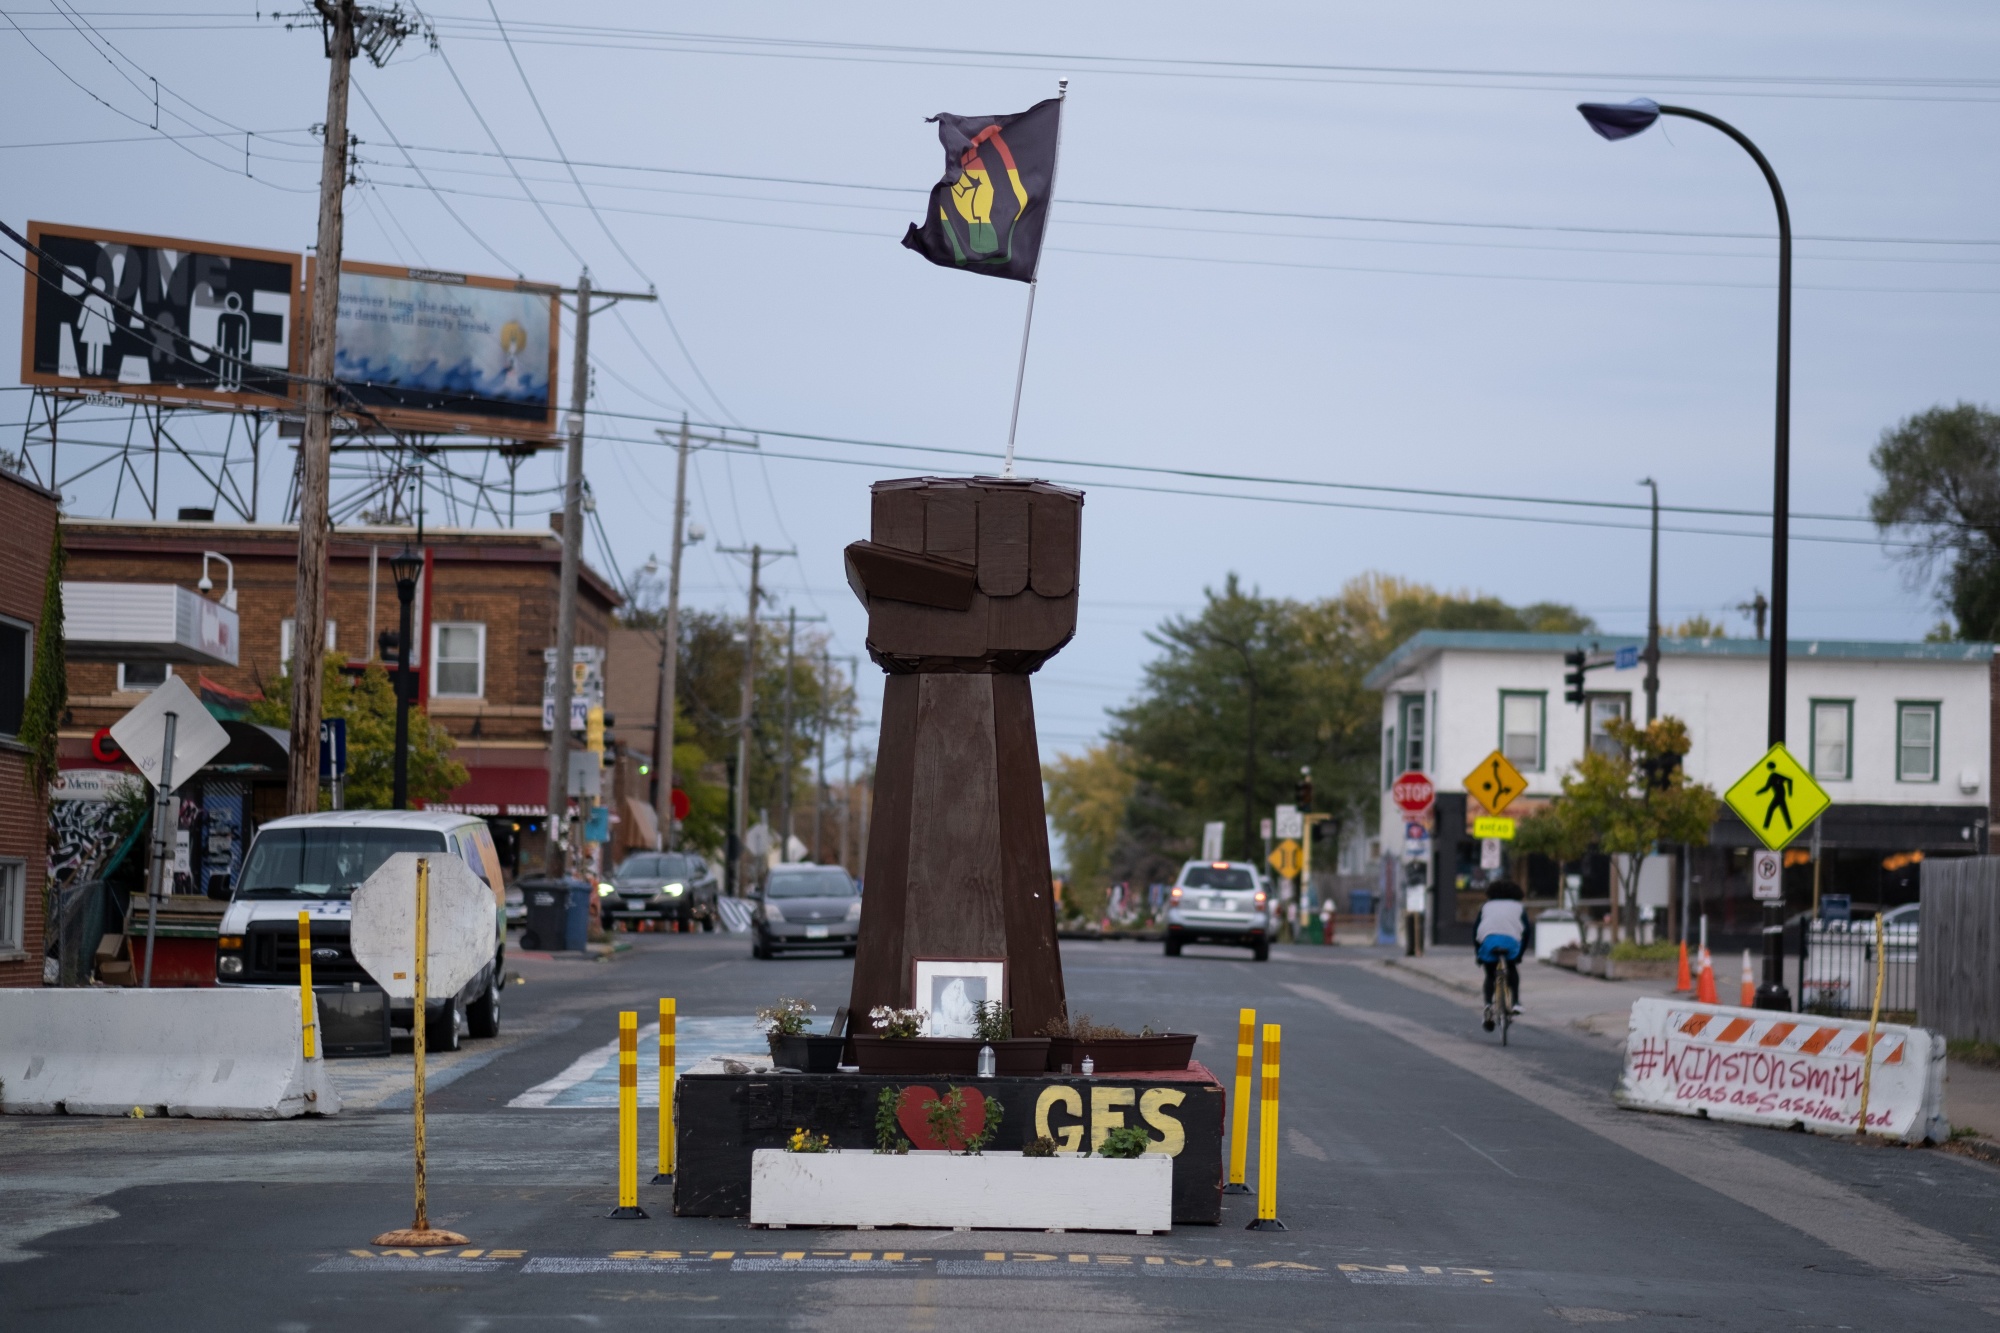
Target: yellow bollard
420,1233
308,1011
1239,1129
667,1039
1267,1140
628,1116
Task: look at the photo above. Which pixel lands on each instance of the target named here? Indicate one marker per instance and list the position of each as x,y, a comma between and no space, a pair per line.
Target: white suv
1219,902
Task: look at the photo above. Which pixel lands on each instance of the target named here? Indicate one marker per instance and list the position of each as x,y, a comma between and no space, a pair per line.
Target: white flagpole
1028,324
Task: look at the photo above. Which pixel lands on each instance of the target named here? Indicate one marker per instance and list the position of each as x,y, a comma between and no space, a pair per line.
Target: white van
315,863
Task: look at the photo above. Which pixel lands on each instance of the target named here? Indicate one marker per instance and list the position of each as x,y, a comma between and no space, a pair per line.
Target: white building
1899,734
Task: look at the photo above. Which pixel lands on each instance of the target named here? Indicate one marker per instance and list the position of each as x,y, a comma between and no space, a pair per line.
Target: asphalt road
1429,1178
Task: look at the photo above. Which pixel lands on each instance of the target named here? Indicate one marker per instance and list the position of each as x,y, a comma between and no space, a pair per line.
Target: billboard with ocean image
432,351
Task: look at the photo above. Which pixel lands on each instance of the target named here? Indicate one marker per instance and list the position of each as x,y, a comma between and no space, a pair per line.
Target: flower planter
947,1056
857,1187
1123,1055
1568,956
1639,969
807,1052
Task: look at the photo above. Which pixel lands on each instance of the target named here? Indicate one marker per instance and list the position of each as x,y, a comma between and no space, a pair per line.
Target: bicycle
1503,996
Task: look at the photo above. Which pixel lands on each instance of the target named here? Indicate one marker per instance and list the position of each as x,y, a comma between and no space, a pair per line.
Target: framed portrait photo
950,991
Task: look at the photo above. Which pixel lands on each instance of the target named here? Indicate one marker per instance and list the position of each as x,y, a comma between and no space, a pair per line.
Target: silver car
1219,902
806,907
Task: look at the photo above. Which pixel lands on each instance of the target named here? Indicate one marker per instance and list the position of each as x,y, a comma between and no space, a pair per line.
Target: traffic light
1573,678
1660,770
1302,794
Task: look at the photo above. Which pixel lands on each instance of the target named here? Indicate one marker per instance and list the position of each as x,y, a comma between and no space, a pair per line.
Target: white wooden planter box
856,1187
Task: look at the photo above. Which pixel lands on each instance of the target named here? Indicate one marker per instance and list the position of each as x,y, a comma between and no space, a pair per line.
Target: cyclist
1503,925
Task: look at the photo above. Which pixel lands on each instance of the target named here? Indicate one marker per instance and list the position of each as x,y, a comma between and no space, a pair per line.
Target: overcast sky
1538,313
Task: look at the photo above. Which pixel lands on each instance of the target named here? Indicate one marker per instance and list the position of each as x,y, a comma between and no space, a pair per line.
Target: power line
442,201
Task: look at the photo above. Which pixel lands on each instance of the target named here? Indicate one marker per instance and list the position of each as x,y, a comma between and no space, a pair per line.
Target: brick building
485,617
27,533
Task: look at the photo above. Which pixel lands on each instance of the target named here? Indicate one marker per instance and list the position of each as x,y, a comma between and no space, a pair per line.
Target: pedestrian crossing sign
1777,798
1496,782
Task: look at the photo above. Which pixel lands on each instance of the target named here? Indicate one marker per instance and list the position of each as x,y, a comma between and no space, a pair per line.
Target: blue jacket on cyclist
1503,925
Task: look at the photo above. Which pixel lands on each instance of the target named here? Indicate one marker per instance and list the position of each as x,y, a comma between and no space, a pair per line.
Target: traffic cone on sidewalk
1748,998
1705,989
1685,983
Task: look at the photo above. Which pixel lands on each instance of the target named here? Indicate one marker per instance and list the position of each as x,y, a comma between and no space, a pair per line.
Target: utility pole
740,826
819,784
787,785
668,713
572,558
1653,615
847,769
348,29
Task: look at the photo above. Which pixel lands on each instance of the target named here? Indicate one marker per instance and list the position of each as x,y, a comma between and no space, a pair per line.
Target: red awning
499,791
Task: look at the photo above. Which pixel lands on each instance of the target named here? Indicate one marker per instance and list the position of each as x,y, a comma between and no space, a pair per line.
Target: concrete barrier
211,1054
1762,1067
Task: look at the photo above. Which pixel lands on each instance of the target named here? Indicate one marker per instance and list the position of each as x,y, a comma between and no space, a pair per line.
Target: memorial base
860,1188
722,1120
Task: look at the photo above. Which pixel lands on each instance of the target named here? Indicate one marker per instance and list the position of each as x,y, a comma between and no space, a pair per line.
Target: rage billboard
153,316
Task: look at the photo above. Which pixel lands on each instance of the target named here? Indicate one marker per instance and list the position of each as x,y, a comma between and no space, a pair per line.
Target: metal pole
785,778
417,1031
669,710
406,592
1781,488
164,838
572,556
743,719
1028,323
316,446
1653,614
819,787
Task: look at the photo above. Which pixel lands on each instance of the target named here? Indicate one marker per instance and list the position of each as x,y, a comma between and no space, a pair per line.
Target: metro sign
1413,792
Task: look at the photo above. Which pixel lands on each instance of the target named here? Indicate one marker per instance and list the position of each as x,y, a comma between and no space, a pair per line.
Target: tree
368,703
1625,803
1087,796
1695,627
1940,489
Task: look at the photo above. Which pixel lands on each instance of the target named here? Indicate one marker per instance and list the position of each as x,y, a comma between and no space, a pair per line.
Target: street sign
383,934
1414,792
1263,831
1777,798
1489,854
1290,822
1285,859
1767,877
142,733
1626,658
332,748
1211,840
1496,782
1415,832
1493,826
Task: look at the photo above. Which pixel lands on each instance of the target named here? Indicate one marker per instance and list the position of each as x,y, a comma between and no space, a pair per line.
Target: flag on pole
988,211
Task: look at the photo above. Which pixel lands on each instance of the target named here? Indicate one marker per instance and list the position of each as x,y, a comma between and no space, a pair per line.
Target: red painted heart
910,1114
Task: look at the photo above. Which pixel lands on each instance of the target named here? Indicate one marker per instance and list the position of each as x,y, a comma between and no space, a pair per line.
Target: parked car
517,906
322,859
1219,902
659,886
806,907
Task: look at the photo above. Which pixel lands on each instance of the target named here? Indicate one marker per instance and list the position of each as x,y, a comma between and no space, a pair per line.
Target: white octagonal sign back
462,925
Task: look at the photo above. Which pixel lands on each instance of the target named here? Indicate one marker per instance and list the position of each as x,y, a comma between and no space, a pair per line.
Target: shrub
1131,1141
888,1130
804,1140
786,1018
1042,1146
994,1022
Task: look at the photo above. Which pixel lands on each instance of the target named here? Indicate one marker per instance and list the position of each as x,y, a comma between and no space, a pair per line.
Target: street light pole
405,568
1621,121
1653,614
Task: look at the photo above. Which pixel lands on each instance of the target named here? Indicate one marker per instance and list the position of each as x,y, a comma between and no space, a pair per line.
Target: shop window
458,655
13,906
1916,742
1412,723
1604,709
1832,739
142,677
1522,716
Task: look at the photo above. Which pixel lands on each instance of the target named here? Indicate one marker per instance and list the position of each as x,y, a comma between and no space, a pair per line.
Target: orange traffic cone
1749,995
1685,983
1705,989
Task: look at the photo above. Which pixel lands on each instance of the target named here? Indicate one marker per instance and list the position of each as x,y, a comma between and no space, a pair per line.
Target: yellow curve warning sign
1496,782
1285,859
1777,798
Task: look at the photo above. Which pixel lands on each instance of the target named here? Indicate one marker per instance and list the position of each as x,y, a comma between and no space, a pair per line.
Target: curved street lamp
1622,120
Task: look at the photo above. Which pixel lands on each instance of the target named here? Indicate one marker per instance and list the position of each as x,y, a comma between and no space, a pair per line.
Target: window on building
1389,773
13,906
1411,720
1833,739
1916,742
458,656
142,677
1521,731
1603,710
285,632
17,645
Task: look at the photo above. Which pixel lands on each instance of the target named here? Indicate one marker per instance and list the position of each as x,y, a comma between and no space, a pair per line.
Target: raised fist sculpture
970,586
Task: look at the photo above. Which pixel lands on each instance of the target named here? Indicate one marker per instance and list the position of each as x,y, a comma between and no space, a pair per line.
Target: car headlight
229,965
606,890
854,910
772,912
673,890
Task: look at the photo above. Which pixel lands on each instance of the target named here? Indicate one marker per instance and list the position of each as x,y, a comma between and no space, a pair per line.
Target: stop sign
1413,792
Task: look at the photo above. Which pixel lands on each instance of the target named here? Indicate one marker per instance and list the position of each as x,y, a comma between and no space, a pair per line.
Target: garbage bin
558,911
1361,902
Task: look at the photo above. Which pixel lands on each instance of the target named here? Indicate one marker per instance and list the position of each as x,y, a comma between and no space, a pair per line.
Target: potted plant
993,1025
900,1048
793,1045
1113,1050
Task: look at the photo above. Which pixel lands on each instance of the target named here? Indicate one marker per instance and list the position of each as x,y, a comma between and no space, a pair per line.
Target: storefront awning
146,622
499,791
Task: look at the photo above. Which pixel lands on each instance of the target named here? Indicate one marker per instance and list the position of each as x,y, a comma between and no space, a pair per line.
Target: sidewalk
1551,996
